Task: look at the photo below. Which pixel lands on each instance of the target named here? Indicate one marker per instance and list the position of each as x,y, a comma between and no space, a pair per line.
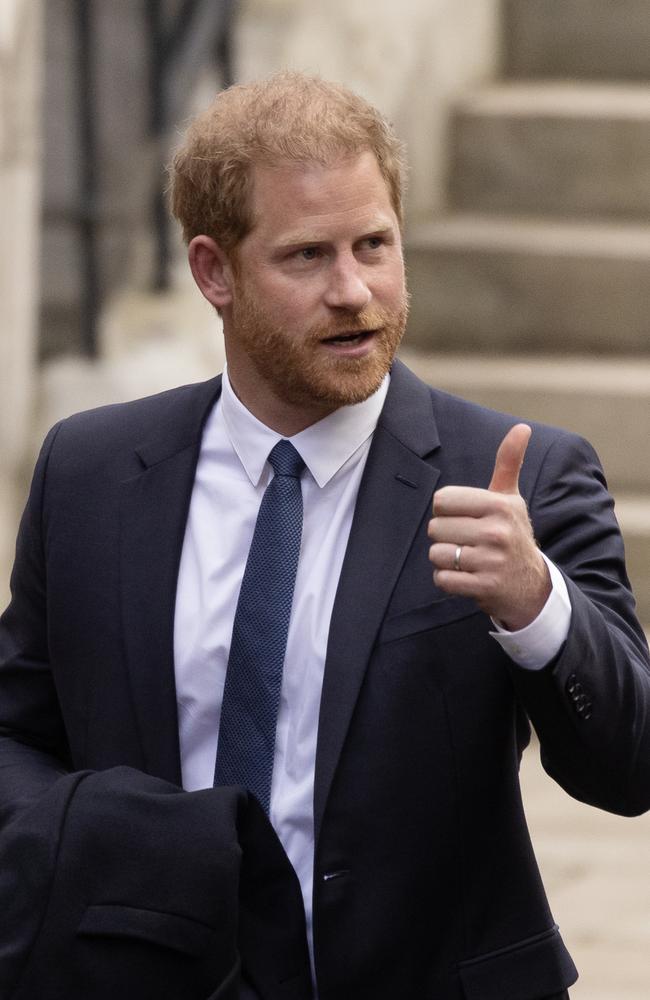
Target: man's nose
347,287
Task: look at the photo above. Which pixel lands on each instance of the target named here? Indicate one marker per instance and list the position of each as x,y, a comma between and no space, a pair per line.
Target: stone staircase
534,289
581,39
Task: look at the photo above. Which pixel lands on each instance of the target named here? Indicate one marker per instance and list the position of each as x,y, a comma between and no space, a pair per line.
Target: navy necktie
251,696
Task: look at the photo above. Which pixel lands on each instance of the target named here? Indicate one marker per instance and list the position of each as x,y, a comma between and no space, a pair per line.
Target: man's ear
212,270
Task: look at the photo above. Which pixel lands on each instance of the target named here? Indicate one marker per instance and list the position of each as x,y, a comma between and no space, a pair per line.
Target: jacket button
571,683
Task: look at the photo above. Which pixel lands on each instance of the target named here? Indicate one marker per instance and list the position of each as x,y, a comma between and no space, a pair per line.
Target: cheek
390,286
293,305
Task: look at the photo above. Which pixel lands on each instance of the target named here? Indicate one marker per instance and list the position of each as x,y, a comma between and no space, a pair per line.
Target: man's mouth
352,338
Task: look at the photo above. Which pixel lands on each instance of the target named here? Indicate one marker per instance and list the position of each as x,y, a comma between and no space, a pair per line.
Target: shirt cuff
537,644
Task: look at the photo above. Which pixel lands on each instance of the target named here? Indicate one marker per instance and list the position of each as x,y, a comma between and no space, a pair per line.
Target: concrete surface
563,148
577,38
529,285
596,868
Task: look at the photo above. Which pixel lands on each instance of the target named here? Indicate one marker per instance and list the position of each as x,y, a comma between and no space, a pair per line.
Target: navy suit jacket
425,881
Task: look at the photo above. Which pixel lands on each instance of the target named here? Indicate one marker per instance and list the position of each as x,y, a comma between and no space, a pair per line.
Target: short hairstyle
290,116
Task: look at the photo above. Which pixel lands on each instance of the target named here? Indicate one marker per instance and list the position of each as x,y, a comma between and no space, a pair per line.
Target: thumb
509,460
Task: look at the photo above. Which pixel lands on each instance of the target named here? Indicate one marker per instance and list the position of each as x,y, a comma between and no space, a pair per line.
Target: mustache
363,322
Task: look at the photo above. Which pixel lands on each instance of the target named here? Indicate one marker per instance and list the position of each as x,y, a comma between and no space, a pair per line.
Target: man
401,710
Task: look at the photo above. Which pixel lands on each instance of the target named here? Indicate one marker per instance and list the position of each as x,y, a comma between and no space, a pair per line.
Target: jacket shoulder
167,421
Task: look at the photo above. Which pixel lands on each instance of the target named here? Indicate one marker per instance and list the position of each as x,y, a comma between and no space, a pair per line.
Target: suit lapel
153,513
394,496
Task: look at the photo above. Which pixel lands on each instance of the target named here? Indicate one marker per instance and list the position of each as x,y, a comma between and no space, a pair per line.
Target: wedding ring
459,549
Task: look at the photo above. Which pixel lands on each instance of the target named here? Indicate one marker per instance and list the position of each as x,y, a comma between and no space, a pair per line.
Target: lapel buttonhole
407,482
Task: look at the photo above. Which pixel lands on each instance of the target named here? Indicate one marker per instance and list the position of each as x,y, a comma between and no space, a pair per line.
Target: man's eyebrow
302,237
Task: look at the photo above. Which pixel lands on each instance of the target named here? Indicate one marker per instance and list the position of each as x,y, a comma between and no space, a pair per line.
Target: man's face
319,301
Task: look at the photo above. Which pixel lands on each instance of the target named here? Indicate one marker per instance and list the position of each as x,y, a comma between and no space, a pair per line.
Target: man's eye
309,253
374,242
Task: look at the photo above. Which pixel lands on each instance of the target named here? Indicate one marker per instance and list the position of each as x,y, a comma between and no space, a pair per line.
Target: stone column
20,85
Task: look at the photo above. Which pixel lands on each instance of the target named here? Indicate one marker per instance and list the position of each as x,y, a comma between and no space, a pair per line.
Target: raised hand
483,544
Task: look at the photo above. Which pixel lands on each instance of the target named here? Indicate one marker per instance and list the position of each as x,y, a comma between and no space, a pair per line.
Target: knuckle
485,583
499,563
443,579
501,503
497,534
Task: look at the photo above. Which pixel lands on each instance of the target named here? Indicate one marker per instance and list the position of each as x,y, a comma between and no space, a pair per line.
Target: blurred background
528,248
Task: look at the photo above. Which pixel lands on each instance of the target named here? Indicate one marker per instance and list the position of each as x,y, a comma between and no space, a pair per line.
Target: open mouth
350,339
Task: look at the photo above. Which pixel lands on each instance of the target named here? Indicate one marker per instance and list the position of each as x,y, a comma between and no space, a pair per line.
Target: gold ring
459,549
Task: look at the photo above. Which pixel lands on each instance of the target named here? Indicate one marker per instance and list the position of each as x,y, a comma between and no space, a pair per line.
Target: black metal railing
180,39
169,39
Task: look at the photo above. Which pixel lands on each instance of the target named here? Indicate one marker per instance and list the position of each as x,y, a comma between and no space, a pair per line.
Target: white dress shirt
231,476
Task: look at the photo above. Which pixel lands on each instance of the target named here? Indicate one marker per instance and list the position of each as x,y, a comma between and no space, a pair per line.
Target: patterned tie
251,695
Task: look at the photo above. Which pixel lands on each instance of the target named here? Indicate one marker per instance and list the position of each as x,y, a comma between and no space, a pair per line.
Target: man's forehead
317,191
279,172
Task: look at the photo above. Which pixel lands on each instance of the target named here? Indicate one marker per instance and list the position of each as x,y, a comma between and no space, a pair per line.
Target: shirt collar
324,447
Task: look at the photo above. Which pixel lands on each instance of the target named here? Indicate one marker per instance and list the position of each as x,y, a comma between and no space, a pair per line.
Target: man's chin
342,387
356,379
351,395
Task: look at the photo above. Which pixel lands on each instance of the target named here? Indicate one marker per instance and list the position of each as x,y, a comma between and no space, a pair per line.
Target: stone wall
20,81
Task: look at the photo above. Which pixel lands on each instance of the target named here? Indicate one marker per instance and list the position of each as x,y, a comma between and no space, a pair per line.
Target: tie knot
285,460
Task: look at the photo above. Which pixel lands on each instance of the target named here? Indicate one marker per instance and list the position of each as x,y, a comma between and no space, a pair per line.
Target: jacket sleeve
591,705
117,880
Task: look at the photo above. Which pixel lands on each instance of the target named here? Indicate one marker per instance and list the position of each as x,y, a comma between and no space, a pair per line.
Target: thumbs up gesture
483,545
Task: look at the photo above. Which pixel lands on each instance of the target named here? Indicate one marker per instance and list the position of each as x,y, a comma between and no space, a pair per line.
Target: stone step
529,285
605,400
570,149
577,38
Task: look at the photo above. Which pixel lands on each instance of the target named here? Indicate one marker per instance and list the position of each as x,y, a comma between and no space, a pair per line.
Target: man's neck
278,414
